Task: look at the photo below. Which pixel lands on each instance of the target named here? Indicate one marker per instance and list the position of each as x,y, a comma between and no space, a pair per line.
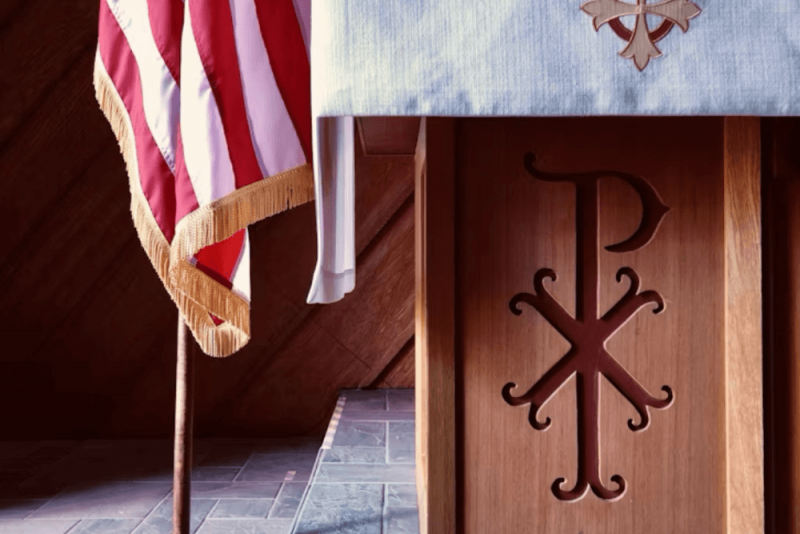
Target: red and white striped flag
210,102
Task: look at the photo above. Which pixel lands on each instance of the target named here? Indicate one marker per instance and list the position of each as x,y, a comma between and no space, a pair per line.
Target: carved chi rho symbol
641,41
587,333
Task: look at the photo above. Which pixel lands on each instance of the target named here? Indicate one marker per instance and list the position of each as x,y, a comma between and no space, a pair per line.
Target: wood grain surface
389,135
435,327
697,467
743,326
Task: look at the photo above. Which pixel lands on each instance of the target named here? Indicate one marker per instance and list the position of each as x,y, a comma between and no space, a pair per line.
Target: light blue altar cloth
518,58
543,57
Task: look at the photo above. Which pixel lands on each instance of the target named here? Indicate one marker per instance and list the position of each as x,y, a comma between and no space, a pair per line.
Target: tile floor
125,487
362,480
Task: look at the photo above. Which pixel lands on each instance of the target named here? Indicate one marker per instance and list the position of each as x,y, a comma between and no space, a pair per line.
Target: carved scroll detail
587,333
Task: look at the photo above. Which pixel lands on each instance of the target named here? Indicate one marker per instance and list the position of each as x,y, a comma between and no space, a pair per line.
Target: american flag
210,102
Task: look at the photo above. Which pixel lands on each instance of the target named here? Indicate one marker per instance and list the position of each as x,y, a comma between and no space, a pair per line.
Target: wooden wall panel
89,331
40,47
11,9
400,371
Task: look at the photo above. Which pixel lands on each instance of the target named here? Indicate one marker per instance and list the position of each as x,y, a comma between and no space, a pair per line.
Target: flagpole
184,407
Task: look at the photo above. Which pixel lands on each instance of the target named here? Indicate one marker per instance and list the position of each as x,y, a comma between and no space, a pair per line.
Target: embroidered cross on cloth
641,41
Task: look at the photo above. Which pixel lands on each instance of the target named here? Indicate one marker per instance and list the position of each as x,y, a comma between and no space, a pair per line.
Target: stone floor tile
342,508
19,509
227,456
20,462
246,526
235,490
48,452
214,474
160,520
36,526
272,466
297,445
94,462
107,500
400,400
403,473
355,455
360,434
26,491
201,448
401,521
241,509
300,444
401,442
373,415
401,496
288,500
105,526
360,399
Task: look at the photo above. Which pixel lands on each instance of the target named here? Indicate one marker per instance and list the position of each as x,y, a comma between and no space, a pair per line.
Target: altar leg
434,337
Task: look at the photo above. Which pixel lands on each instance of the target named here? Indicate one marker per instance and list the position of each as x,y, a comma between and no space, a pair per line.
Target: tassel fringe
196,294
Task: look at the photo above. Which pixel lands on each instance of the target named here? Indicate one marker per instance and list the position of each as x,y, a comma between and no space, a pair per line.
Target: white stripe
160,94
204,146
275,140
241,272
302,9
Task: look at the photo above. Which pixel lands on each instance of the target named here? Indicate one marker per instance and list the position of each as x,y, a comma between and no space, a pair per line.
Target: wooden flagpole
184,408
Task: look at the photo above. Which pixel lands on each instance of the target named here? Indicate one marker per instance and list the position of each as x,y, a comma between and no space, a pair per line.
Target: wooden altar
589,326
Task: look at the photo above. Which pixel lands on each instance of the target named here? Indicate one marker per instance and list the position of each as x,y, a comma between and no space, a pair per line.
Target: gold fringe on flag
196,294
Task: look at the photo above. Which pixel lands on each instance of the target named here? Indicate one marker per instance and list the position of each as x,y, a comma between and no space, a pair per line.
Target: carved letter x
587,334
641,46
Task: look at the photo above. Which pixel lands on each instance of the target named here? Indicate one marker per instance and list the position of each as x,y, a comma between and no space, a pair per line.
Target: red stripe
166,23
155,176
280,29
218,261
212,26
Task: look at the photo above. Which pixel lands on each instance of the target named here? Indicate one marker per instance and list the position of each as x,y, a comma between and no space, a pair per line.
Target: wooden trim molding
743,326
388,136
435,326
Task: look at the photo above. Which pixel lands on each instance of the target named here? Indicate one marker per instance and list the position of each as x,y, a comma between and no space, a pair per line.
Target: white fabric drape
334,189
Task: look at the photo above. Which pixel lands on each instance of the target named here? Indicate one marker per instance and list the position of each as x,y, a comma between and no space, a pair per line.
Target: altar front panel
591,384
